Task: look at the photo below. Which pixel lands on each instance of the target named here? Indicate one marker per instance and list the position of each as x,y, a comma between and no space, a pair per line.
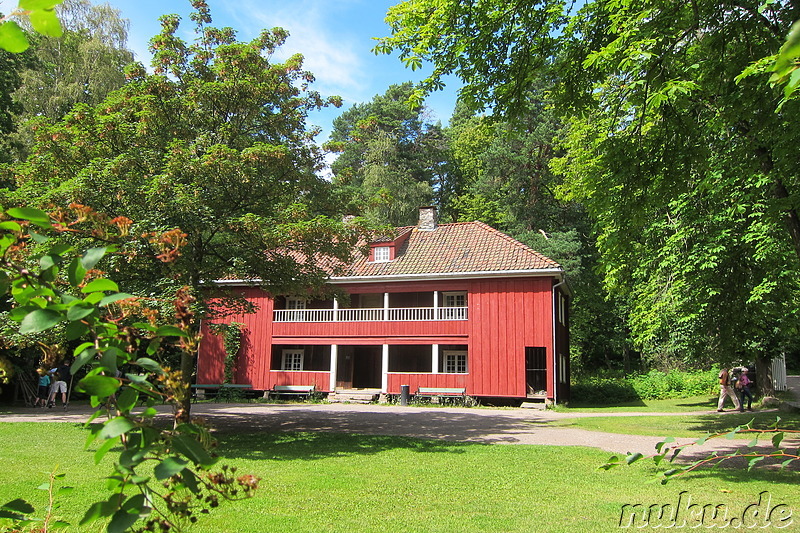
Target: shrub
606,388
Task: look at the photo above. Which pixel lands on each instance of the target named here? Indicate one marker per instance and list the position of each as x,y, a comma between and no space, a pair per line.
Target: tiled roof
454,248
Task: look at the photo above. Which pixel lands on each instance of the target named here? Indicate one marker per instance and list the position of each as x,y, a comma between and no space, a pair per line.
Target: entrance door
344,368
536,371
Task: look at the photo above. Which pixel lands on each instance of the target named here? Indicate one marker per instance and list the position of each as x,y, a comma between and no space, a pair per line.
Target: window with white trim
457,300
455,362
292,360
380,254
294,303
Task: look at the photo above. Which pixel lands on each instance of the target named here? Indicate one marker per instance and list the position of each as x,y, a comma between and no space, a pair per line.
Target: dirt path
493,426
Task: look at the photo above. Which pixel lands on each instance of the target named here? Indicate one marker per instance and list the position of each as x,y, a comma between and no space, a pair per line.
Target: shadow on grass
760,420
308,446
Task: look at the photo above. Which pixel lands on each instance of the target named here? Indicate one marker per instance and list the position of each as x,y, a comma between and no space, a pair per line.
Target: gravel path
493,426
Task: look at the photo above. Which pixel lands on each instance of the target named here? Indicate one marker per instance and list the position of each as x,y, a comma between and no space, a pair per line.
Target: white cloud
329,46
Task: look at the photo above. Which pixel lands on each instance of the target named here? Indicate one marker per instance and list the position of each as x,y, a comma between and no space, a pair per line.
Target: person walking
59,386
43,393
743,386
725,389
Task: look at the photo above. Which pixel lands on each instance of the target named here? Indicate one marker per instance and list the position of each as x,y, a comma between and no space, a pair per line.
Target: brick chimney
427,218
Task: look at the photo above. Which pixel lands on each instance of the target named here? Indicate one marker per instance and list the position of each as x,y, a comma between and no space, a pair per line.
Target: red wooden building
443,306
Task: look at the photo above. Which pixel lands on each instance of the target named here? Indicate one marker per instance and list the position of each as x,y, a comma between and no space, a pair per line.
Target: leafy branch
42,17
666,450
162,477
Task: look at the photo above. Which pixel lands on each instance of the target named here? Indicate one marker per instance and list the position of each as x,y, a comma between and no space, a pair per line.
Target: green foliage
60,286
389,157
679,159
608,388
231,341
42,17
667,452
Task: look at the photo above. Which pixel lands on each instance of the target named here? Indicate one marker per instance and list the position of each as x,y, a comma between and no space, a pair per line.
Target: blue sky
335,36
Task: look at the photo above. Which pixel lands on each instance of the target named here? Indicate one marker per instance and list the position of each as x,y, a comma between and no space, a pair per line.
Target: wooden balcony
391,314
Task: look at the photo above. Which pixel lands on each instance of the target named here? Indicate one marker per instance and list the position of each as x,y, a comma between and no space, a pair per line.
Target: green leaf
86,355
753,462
76,330
30,5
109,358
127,400
92,256
99,510
104,449
148,364
170,331
79,311
10,225
116,427
632,458
37,216
121,522
12,38
190,480
192,449
111,298
663,442
76,272
39,320
101,386
777,438
169,467
45,21
100,284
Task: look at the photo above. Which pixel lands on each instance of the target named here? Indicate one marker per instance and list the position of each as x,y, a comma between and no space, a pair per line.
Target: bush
606,388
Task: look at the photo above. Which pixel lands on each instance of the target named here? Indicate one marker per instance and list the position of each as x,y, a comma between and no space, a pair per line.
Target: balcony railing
392,314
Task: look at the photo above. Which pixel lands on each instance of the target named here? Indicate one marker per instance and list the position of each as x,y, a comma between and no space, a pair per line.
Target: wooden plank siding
505,315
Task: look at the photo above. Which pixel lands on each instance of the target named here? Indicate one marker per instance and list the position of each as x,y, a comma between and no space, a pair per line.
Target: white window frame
292,359
381,254
456,299
455,361
295,303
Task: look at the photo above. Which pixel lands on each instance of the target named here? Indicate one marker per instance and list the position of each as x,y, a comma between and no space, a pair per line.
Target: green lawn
328,482
675,405
686,425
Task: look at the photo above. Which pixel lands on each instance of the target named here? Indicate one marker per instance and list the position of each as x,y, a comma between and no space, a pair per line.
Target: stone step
353,396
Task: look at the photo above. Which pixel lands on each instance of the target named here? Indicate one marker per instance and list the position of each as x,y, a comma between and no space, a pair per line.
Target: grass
675,405
332,482
686,425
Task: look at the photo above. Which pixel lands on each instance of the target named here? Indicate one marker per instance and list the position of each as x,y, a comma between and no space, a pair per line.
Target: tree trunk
764,376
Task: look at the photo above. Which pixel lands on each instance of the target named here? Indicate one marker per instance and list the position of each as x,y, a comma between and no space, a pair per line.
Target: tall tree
679,157
389,158
213,142
82,66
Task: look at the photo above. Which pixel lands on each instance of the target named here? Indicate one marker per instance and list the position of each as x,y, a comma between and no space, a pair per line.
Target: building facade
440,306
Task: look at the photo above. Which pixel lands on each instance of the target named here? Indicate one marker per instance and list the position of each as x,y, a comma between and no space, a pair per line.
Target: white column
385,369
436,305
335,310
435,358
334,361
385,306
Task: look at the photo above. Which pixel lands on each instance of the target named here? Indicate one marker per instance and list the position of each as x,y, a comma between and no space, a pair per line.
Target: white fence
392,314
779,373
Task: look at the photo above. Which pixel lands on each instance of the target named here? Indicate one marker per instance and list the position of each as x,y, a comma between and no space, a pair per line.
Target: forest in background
669,229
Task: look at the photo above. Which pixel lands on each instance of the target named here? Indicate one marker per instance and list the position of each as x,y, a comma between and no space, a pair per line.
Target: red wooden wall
505,316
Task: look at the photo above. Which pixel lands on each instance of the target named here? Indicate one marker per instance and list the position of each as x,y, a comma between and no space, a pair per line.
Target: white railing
379,314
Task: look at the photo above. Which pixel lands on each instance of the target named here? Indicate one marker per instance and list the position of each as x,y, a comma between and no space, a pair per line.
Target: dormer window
381,254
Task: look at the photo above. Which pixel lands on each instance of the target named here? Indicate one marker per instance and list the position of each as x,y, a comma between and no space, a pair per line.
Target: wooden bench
199,390
291,390
441,391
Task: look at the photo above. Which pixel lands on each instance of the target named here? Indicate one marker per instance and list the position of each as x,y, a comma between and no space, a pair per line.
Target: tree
213,142
389,158
81,66
676,152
